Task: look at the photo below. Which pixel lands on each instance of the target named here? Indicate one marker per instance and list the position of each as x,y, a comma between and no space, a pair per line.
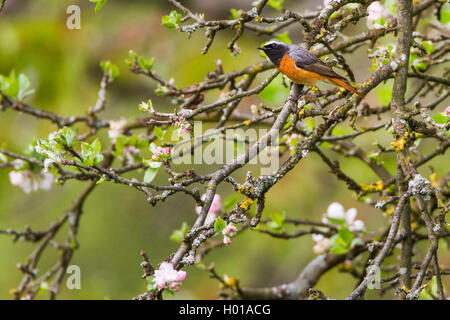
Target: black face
275,50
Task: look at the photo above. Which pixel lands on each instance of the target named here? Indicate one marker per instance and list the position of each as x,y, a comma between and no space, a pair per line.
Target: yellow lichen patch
367,188
399,145
345,266
405,289
243,190
414,225
246,122
246,204
390,210
434,180
301,112
257,68
231,281
440,203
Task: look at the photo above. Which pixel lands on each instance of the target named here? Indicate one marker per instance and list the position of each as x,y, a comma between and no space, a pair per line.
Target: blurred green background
117,223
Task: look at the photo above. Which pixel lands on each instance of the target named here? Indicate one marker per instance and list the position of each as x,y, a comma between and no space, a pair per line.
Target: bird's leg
296,91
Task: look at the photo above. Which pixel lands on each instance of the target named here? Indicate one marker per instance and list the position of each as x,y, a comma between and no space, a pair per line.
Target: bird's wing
308,61
321,68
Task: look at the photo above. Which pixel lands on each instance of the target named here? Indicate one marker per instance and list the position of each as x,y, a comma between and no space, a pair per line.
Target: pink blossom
326,3
357,225
322,245
229,231
160,151
337,211
223,95
130,152
183,125
116,128
216,205
167,276
31,181
46,180
375,11
289,140
350,215
226,240
447,110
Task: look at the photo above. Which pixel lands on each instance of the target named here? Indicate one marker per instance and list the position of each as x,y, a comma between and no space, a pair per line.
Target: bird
302,66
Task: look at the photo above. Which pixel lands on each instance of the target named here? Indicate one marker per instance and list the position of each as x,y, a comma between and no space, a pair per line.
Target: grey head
275,50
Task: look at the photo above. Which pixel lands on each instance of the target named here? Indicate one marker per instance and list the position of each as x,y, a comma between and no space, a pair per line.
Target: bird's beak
260,48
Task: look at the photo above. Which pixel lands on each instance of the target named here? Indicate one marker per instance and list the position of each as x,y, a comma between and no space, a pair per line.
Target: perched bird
301,66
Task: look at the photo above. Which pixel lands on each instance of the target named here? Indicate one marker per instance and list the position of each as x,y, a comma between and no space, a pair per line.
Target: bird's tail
341,83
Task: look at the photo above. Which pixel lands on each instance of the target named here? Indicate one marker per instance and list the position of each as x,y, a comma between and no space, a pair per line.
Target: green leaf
134,141
145,63
150,173
9,85
172,20
445,13
90,153
428,45
219,225
161,90
24,84
101,180
16,86
236,14
440,118
277,221
310,124
152,147
152,164
338,250
338,245
158,132
145,106
346,235
73,244
110,69
430,292
336,221
420,65
178,235
276,4
151,284
43,288
375,156
356,242
99,4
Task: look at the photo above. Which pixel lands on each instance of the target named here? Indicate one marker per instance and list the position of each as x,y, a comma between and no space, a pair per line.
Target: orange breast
298,75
